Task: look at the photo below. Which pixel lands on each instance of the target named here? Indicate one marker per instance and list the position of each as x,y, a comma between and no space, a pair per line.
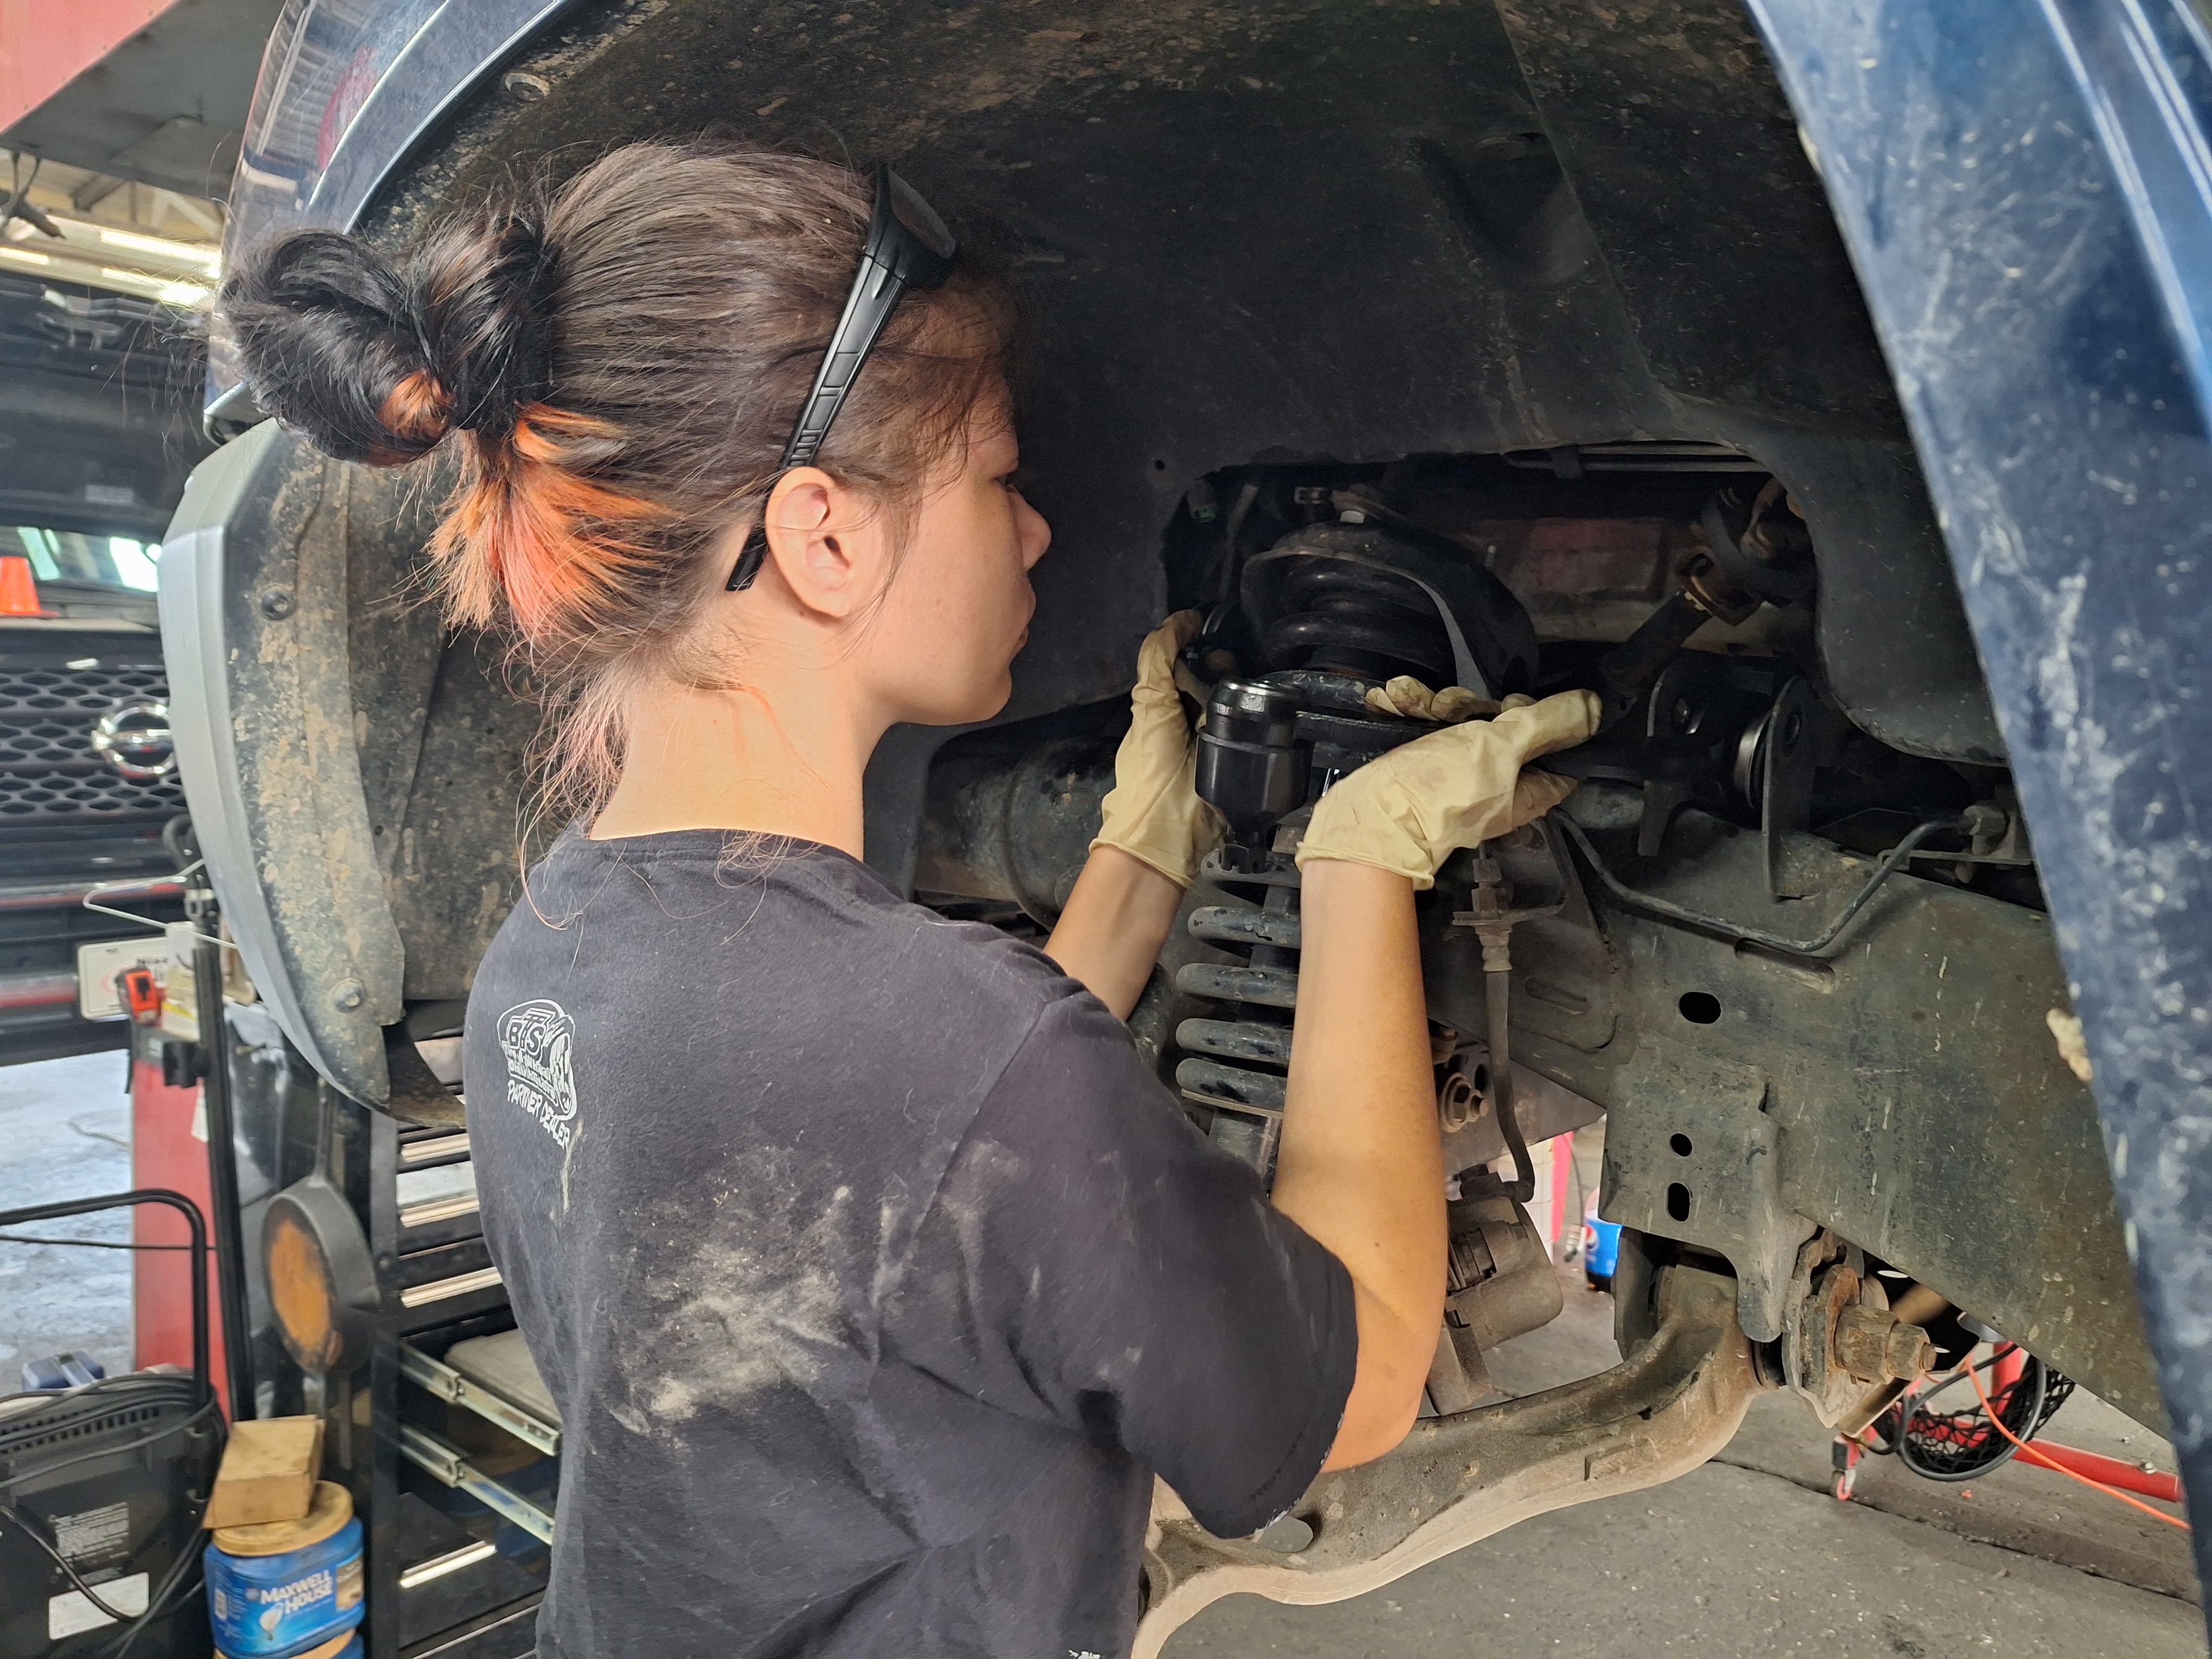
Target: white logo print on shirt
537,1038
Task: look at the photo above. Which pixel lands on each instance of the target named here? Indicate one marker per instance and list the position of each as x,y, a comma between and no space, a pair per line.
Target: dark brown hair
622,359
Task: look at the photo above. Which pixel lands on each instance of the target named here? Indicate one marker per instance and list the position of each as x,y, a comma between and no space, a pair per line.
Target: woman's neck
781,760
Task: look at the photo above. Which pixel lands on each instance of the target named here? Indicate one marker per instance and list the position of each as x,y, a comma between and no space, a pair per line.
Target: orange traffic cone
19,594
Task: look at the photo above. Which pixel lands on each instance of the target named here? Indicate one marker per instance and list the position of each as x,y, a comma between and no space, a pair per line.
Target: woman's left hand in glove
1153,812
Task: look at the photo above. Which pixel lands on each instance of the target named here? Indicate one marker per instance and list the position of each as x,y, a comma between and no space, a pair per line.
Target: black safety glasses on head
907,247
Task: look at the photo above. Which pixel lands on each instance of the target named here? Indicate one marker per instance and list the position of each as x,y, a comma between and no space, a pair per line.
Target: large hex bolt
1873,1347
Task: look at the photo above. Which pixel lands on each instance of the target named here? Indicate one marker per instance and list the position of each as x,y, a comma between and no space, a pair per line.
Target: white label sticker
94,1538
69,1614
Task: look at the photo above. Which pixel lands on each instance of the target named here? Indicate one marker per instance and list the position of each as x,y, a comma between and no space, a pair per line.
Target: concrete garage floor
1750,1556
1746,1557
64,1132
1723,1564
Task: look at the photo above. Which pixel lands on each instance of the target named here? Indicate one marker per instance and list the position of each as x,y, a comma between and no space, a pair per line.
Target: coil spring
1342,619
1357,620
1239,1067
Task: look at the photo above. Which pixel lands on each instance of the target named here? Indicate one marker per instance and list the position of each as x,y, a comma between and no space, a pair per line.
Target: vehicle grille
49,771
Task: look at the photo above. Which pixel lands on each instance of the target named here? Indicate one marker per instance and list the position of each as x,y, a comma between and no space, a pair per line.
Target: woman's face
959,602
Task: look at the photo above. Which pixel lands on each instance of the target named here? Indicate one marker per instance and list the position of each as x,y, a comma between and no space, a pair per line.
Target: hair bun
376,363
326,335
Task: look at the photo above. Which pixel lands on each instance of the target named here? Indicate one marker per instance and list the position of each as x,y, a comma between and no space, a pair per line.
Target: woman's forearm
1110,933
1361,1165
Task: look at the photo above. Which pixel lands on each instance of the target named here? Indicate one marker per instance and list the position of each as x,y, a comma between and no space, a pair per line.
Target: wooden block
268,1472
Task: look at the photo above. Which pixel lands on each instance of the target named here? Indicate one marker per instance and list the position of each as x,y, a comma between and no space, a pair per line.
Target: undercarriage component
1335,608
1873,1345
1500,1283
1494,904
1267,747
1762,548
1733,735
1845,1349
1454,1481
1013,820
1629,668
1812,949
1251,766
1902,1093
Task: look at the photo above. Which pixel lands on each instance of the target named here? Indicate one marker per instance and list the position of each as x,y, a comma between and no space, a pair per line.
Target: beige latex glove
1153,812
1406,695
1409,810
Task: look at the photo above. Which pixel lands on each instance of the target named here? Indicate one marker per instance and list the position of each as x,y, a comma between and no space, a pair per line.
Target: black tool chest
437,1420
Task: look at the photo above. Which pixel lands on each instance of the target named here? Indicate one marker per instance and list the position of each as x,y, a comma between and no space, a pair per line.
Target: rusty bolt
1861,1341
1873,1347
277,602
1909,1353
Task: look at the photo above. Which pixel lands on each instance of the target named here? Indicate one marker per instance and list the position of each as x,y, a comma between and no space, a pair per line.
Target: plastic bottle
289,1589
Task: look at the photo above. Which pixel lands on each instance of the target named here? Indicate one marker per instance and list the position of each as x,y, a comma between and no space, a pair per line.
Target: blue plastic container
267,1600
1600,1251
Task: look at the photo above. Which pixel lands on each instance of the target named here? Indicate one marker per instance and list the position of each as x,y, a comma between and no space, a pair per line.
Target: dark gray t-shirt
873,1272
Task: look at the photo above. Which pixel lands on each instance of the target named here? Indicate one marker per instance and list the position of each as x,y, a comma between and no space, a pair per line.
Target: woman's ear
823,540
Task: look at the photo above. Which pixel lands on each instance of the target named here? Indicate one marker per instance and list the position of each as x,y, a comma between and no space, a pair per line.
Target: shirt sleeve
1090,1258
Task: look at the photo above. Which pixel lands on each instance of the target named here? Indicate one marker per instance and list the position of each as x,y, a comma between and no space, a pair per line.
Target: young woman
874,1274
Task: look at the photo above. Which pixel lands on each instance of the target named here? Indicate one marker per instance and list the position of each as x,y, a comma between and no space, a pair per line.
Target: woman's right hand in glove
1410,809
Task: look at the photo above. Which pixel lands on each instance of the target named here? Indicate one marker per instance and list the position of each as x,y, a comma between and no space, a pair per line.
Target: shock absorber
1336,609
1267,747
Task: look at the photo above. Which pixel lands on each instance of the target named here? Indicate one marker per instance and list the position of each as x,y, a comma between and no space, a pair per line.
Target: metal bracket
1690,1153
1785,764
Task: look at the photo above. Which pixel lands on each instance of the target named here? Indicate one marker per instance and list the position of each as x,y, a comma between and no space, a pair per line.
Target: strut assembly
1336,609
1332,612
